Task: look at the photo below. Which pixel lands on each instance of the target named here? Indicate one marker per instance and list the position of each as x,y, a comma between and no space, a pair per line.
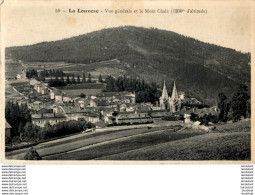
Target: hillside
200,69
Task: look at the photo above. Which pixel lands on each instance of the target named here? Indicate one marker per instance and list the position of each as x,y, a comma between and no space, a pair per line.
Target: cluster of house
104,108
94,109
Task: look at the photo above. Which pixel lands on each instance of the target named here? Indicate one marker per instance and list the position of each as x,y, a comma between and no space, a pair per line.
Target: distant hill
199,69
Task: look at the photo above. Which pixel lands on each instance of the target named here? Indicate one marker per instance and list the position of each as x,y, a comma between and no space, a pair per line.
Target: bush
32,154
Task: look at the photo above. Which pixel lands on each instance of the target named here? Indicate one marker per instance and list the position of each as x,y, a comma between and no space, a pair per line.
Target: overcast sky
225,26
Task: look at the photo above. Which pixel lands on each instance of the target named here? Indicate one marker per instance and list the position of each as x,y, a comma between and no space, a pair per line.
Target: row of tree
59,77
60,82
57,82
52,73
32,73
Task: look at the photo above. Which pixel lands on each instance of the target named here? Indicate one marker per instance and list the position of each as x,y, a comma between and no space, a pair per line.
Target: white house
19,76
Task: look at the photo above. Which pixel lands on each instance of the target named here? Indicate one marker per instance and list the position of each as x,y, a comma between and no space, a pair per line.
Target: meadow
113,67
212,146
130,144
228,142
13,69
58,146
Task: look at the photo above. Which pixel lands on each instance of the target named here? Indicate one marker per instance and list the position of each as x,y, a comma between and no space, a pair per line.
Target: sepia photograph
127,81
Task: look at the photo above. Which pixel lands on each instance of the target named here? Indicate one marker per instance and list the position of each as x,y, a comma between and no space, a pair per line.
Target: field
10,93
46,65
12,69
60,146
123,145
231,127
215,146
113,67
227,142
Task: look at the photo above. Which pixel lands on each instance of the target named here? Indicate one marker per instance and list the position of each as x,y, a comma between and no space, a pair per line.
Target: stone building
173,103
42,120
133,118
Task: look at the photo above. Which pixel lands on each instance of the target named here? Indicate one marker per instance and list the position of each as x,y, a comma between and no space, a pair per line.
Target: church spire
164,92
174,93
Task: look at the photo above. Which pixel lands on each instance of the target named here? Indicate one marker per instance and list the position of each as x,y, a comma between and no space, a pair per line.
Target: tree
83,78
15,115
67,80
224,107
56,78
32,154
89,78
82,95
114,114
21,130
62,79
100,78
194,117
28,132
31,74
78,79
73,80
25,113
50,82
239,103
145,92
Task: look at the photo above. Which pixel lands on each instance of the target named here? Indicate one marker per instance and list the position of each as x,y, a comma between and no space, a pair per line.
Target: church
173,103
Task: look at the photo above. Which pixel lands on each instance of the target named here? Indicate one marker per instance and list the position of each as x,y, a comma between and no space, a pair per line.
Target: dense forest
17,116
145,92
200,69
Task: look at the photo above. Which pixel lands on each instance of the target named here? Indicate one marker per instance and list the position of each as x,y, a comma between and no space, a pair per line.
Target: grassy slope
213,146
53,148
125,145
232,142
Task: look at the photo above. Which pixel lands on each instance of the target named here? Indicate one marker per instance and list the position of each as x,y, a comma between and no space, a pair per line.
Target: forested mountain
199,69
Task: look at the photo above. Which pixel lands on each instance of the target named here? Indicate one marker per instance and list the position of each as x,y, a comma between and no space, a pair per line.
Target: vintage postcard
127,81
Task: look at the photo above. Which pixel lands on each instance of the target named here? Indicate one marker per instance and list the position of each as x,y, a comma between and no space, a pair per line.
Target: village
61,114
91,103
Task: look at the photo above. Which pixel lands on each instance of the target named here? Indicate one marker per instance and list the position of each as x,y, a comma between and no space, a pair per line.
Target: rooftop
116,94
74,109
37,117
